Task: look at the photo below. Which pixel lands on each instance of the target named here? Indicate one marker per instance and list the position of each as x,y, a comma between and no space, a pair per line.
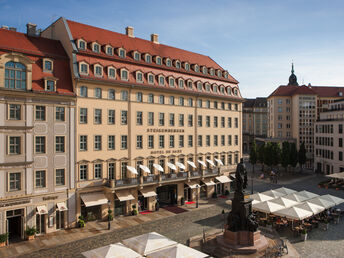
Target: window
83,116
215,121
229,140
204,70
181,141
171,141
111,142
189,83
340,128
207,121
111,170
40,113
97,142
60,114
83,172
15,75
215,140
124,75
40,144
83,143
109,51
236,107
82,45
98,93
124,142
161,119
84,68
40,179
280,109
124,95
137,56
60,144
111,94
190,141
96,48
187,66
171,100
190,102
340,155
139,77
181,119
121,53
150,141
222,121
236,140
168,62
199,140
177,64
199,121
14,112
15,181
124,117
148,58
215,104
199,86
98,171
14,145
161,141
83,91
280,101
199,103
60,177
150,118
161,99
124,170
171,119
190,120
98,71
139,118
139,97
150,98
223,105
196,68
207,140
181,84
223,140
139,139
158,60
207,104
50,85
171,82
229,122
97,116
150,78
236,122
112,73
161,80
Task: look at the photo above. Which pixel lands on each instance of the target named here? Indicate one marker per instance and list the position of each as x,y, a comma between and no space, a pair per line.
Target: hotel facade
154,124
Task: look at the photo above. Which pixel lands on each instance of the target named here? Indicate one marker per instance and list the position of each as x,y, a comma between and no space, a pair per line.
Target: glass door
60,219
40,223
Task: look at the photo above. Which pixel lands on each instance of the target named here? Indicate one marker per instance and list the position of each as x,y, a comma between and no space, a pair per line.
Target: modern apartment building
36,134
254,121
328,139
293,110
154,123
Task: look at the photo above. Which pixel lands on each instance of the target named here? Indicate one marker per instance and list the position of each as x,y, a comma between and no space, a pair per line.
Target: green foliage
272,154
261,153
30,231
3,237
81,221
293,155
285,155
253,153
302,154
110,216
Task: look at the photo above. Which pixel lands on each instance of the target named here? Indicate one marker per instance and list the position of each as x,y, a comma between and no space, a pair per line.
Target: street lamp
197,196
109,213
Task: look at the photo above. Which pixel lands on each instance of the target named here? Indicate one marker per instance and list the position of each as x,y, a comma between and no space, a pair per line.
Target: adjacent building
37,129
254,121
328,139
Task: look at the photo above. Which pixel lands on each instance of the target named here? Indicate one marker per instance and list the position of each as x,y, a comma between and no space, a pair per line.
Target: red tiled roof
36,48
321,91
328,91
103,37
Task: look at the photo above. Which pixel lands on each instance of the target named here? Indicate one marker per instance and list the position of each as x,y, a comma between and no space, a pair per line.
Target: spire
292,77
292,68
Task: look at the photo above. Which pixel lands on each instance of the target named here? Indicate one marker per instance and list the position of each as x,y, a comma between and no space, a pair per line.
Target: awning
193,185
132,170
61,206
210,162
223,179
148,193
219,161
158,167
171,166
93,199
124,196
208,182
42,210
181,165
202,163
192,164
145,169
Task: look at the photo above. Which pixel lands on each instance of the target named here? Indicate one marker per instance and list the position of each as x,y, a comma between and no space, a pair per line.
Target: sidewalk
94,228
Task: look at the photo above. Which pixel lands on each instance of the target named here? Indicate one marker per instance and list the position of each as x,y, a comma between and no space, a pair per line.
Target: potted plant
30,232
110,216
3,239
304,234
81,221
134,211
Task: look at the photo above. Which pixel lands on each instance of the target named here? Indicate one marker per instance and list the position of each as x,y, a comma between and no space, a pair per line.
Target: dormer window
215,88
161,80
82,44
196,68
50,84
109,50
83,68
96,47
111,72
222,90
168,62
148,58
236,92
124,74
219,73
204,70
98,70
137,56
139,77
189,83
177,64
225,75
186,66
171,81
158,60
181,83
121,52
199,86
47,65
207,87
150,78
229,90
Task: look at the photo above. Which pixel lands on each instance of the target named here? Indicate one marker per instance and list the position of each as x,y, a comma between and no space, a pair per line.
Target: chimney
31,29
13,29
154,38
130,31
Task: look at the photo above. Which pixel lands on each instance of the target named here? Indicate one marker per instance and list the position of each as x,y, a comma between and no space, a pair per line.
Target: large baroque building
293,110
36,134
154,123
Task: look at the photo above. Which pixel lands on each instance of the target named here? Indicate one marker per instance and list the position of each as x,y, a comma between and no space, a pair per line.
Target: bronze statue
241,176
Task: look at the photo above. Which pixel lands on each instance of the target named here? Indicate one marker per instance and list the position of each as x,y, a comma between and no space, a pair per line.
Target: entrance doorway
60,219
203,192
119,207
167,195
40,223
187,193
91,213
143,202
15,226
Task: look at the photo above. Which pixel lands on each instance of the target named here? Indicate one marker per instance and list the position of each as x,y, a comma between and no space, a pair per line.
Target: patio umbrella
202,163
294,213
296,197
219,161
132,170
260,197
267,207
312,207
332,198
307,194
284,202
145,169
192,164
117,250
210,162
148,243
285,190
181,165
177,251
322,202
171,166
273,193
158,167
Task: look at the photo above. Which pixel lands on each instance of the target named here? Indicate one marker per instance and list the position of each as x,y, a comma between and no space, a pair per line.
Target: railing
213,171
150,179
195,174
127,181
173,176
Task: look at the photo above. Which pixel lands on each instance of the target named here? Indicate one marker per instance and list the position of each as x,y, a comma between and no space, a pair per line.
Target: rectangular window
215,104
222,121
150,141
190,102
15,181
181,101
236,140
124,170
40,181
150,98
111,116
236,107
83,116
98,171
161,141
340,128
111,93
124,75
190,120
83,172
229,140
181,119
207,121
340,155
223,140
171,119
171,141
124,142
199,140
14,145
97,142
161,99
14,112
199,121
215,121
124,117
199,103
190,140
111,170
139,118
60,144
124,95
97,116
60,114
60,177
161,119
50,85
229,122
207,103
236,122
40,144
139,97
171,100
150,118
215,140
40,113
181,141
139,141
111,142
83,142
207,140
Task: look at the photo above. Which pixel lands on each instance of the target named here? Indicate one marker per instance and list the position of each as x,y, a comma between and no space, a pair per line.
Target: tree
261,154
253,160
276,153
268,155
285,155
302,158
293,155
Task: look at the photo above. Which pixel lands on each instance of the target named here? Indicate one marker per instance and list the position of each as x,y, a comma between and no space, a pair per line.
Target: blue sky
255,41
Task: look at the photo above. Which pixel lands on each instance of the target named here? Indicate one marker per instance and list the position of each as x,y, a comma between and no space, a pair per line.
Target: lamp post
109,225
197,196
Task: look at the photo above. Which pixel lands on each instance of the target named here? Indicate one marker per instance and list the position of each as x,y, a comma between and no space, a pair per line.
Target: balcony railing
209,172
174,176
150,179
127,181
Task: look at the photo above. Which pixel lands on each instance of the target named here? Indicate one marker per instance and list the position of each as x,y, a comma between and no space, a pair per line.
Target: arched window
15,75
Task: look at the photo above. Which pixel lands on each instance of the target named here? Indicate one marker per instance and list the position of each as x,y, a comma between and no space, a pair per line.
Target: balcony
174,176
211,172
150,179
126,182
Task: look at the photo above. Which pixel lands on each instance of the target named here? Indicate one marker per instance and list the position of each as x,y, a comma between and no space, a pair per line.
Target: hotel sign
165,152
164,130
